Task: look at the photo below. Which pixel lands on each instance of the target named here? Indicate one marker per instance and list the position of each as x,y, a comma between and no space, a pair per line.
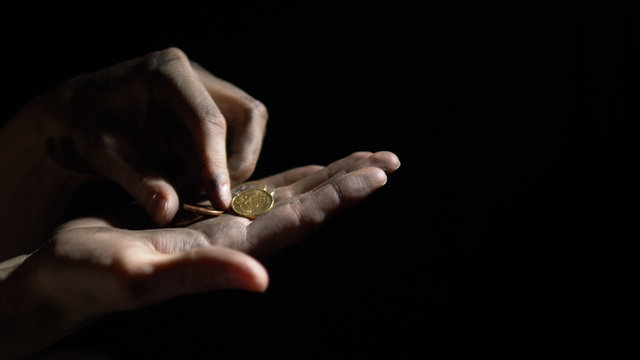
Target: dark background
509,223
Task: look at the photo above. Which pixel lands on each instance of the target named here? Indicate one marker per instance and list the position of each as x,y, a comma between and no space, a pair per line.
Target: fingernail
224,193
158,208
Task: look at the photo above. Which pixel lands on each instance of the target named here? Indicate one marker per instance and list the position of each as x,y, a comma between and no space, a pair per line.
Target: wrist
29,319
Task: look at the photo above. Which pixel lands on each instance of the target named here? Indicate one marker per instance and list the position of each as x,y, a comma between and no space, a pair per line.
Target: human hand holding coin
94,266
250,199
303,198
153,124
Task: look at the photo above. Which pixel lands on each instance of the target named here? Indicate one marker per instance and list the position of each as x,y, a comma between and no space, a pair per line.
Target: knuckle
213,119
283,193
335,198
360,155
173,52
299,216
308,212
162,58
258,111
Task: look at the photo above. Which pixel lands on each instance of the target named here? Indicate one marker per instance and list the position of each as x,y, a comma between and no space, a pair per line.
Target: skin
93,266
159,126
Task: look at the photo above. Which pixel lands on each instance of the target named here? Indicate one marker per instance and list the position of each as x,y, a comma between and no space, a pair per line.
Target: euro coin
251,185
252,203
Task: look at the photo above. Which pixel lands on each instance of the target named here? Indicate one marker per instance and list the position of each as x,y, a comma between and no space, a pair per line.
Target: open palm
90,267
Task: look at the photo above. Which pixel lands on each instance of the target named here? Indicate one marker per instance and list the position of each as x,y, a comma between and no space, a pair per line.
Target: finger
384,160
84,222
291,221
245,142
120,163
317,178
181,87
158,277
246,119
290,176
224,90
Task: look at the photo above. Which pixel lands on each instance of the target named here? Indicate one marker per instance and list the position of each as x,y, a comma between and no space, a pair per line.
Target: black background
507,224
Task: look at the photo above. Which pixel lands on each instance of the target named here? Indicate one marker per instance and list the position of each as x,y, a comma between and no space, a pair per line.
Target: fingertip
386,160
362,182
163,206
376,177
219,194
224,192
246,273
257,278
358,184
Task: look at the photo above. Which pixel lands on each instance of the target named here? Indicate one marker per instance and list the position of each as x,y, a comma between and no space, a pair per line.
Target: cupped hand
91,268
151,123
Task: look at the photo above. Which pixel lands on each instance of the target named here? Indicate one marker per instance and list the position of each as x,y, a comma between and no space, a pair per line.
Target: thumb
201,270
154,193
156,196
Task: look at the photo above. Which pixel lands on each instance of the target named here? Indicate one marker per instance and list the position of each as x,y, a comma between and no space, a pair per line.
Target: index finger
246,119
188,97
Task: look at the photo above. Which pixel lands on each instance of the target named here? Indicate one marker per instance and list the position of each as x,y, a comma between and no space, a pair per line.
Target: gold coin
252,203
250,185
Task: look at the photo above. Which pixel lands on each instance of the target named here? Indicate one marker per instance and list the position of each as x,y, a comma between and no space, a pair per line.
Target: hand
91,268
151,123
